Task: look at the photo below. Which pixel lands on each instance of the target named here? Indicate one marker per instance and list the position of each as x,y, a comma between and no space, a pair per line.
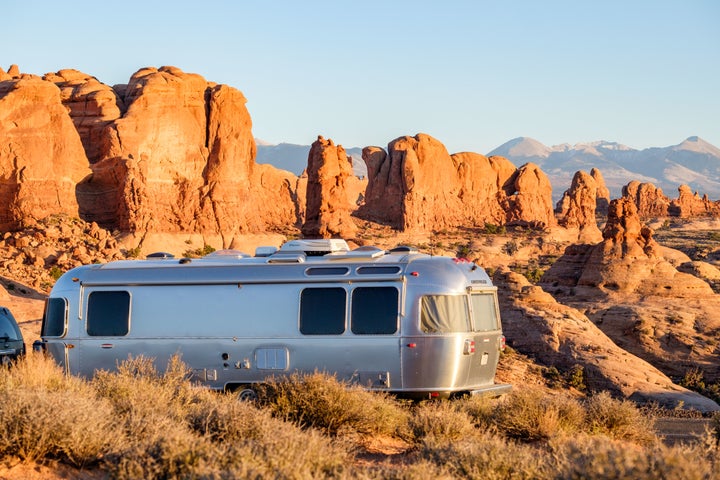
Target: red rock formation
628,260
530,203
649,200
577,207
557,335
327,208
93,106
181,159
418,185
689,204
603,193
41,156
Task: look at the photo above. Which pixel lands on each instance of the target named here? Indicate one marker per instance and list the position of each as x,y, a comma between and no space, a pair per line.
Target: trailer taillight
502,342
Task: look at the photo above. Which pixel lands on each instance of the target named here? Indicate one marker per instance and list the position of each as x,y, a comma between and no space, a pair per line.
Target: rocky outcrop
577,208
328,211
417,185
530,200
689,204
556,335
603,193
627,287
93,106
649,199
41,155
181,159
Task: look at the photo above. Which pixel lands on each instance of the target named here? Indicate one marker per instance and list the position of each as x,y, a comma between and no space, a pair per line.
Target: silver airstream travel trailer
398,320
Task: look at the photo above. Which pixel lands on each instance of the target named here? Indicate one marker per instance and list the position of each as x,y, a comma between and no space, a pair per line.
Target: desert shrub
619,419
510,248
46,415
486,456
440,420
492,229
531,415
584,457
321,401
480,409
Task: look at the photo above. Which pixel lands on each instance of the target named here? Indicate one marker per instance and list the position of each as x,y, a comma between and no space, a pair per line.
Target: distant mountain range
693,162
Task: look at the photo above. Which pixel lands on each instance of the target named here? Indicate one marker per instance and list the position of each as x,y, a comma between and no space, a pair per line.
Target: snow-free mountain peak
522,147
698,145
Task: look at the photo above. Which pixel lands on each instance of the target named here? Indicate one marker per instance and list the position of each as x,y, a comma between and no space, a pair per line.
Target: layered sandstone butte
181,159
327,213
417,185
577,208
41,155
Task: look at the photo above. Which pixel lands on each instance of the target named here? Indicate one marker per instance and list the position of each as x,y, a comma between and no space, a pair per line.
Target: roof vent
160,256
265,251
404,249
317,247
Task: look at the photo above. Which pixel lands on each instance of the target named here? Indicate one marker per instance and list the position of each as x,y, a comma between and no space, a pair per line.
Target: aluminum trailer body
398,321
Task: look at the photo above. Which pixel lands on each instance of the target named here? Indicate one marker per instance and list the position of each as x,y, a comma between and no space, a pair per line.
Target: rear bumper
494,390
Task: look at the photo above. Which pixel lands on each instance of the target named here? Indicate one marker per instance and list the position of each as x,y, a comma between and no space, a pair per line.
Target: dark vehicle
12,344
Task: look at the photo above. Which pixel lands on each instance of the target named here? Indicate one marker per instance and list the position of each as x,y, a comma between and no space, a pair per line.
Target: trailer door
487,332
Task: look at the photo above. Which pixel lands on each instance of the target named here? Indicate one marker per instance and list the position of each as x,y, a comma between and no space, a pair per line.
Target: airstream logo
484,282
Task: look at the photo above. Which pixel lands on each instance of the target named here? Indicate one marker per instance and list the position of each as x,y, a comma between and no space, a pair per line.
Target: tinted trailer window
374,310
108,314
444,314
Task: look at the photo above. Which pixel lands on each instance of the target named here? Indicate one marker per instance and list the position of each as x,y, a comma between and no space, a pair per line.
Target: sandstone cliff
577,208
41,155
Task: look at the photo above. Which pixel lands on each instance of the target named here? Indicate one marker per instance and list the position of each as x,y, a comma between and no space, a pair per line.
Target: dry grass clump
321,401
531,415
179,430
440,422
486,456
45,414
619,419
139,423
600,457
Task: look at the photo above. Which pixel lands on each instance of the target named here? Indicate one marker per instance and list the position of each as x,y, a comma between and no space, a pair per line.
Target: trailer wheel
247,395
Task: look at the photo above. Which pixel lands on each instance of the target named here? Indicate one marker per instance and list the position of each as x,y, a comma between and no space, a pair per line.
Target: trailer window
374,310
322,311
108,314
54,318
485,315
444,314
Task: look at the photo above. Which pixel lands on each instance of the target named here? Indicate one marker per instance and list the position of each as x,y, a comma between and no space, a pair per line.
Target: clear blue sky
473,74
